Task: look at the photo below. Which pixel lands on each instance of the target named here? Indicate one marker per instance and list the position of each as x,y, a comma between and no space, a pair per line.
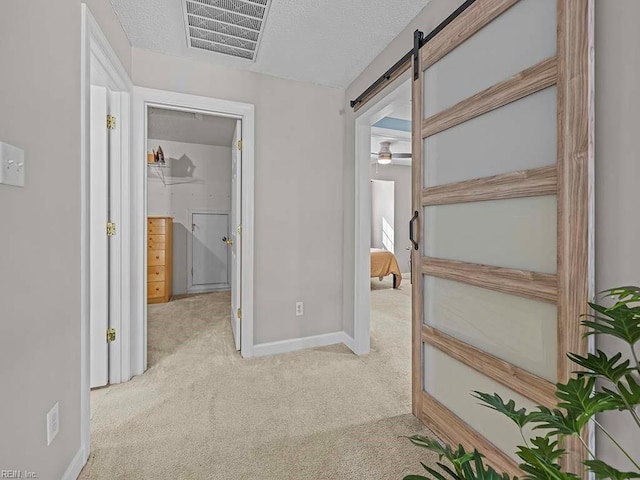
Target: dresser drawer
155,257
159,259
157,222
155,290
156,227
155,274
156,242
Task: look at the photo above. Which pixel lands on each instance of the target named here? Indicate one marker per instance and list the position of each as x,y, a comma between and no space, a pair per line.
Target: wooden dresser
159,259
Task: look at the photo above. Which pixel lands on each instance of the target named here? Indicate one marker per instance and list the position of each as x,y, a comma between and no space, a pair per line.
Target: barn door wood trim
576,178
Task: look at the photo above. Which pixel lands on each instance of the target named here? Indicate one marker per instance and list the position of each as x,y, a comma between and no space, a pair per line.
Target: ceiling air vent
230,27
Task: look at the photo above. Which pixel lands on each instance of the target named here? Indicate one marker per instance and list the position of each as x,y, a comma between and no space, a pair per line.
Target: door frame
367,116
143,98
201,288
95,47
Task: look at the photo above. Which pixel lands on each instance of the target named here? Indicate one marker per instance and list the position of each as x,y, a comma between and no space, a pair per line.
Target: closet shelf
159,171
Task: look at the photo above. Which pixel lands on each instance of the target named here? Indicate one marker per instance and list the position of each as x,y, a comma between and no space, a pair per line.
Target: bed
384,263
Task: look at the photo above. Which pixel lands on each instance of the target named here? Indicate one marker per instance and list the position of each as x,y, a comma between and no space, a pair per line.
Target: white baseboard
295,344
349,342
206,289
76,465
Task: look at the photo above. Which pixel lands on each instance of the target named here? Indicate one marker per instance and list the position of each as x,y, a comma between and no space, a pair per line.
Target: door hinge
239,229
239,312
111,229
111,335
111,122
239,144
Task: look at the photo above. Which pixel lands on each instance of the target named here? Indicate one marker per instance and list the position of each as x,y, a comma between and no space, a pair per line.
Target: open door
236,234
99,241
104,249
502,227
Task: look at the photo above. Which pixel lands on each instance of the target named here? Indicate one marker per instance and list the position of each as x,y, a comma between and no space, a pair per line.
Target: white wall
617,178
198,177
298,188
401,176
382,213
40,312
617,163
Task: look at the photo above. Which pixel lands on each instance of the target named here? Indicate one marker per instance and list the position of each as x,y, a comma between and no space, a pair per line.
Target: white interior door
98,243
236,234
115,272
210,254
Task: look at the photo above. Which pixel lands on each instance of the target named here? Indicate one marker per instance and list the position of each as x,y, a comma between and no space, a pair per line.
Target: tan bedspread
384,263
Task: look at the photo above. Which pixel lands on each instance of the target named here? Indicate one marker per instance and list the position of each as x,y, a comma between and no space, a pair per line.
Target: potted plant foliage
602,383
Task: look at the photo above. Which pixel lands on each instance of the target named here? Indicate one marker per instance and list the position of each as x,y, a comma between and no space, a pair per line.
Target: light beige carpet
203,412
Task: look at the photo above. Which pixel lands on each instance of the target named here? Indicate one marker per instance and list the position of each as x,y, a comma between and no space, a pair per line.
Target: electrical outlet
299,309
53,423
11,165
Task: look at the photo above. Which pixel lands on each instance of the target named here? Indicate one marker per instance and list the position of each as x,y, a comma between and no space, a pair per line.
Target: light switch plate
12,165
53,423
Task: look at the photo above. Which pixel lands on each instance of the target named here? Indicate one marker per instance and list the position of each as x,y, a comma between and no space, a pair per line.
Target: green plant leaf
468,473
625,295
416,477
437,474
448,470
629,389
485,472
539,465
548,448
603,471
600,365
495,402
462,459
456,457
434,446
619,321
557,422
578,397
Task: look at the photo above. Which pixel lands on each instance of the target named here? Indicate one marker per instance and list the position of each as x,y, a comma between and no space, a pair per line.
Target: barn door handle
411,224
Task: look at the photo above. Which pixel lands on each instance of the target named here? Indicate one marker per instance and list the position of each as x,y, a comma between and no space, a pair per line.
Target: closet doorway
195,217
190,183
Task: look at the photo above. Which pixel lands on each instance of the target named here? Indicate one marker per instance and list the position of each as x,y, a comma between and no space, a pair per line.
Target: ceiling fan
384,156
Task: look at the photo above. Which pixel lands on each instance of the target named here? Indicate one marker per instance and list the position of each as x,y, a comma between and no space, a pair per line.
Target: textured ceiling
176,126
328,42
